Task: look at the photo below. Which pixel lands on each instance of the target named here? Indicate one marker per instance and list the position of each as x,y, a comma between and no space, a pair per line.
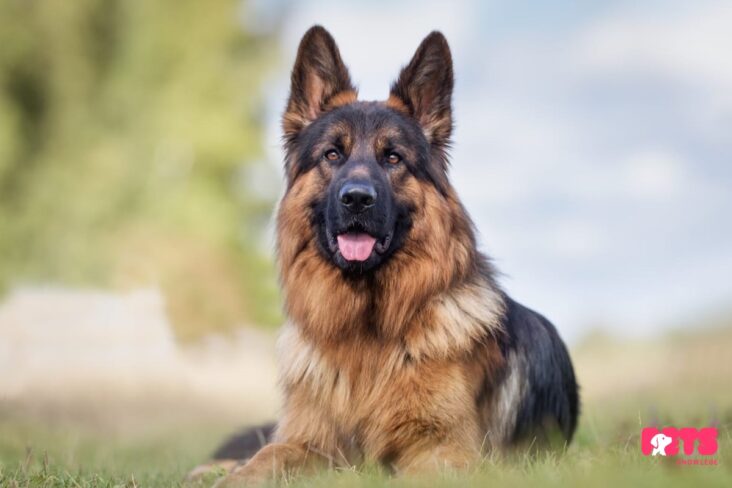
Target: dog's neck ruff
448,326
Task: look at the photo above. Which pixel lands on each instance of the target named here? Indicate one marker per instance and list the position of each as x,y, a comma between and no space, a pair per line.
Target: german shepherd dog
401,349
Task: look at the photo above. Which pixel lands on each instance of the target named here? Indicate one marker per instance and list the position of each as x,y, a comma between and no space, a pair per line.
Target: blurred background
140,163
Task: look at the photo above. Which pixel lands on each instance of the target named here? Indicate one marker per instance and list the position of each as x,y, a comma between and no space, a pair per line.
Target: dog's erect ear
318,78
424,87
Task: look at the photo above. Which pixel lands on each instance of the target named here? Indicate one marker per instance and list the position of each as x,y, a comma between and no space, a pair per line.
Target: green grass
40,455
149,444
163,464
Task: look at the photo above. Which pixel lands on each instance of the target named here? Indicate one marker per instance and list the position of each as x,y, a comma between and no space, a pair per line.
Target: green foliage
125,129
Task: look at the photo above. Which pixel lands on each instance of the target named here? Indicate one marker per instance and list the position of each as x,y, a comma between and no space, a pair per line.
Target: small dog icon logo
659,443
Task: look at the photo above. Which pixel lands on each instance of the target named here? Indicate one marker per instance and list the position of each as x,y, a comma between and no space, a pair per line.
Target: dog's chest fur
372,395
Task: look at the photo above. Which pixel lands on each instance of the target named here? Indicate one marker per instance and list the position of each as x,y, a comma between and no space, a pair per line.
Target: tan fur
397,104
342,98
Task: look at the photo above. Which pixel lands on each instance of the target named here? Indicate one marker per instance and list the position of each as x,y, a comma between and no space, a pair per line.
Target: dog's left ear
424,87
318,78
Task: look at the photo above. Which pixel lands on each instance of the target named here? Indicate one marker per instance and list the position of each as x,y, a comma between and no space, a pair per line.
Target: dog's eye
393,158
332,155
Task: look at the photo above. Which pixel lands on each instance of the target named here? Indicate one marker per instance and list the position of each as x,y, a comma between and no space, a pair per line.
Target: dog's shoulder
455,321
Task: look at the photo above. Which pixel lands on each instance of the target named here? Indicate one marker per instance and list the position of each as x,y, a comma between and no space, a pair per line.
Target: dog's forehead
368,119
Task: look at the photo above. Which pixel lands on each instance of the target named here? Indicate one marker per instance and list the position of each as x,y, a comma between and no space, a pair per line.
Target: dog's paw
241,480
211,471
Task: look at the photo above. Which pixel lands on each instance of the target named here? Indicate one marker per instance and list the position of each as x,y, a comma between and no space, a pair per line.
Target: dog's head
361,169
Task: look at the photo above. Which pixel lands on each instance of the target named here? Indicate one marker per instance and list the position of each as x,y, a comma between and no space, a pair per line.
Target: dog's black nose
357,197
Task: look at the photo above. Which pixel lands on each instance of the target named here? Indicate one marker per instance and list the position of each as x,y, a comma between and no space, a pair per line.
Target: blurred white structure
54,331
57,342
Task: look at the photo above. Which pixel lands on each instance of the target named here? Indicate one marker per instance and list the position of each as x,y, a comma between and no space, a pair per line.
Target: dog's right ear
319,80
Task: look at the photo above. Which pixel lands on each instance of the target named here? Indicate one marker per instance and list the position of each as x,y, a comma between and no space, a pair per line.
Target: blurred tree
125,129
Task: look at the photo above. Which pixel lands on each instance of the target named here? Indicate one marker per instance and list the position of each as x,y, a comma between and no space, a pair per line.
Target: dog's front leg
272,462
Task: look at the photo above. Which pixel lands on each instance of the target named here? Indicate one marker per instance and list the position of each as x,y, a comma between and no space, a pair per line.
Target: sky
593,142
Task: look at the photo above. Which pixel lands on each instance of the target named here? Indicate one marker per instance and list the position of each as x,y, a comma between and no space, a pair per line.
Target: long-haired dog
400,348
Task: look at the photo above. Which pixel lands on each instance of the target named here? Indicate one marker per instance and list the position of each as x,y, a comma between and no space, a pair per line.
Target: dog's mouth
356,245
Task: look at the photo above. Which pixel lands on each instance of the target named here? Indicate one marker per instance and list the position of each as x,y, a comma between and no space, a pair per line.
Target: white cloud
690,46
655,175
577,239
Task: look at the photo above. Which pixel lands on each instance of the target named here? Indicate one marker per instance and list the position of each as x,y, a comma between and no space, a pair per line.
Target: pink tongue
356,247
